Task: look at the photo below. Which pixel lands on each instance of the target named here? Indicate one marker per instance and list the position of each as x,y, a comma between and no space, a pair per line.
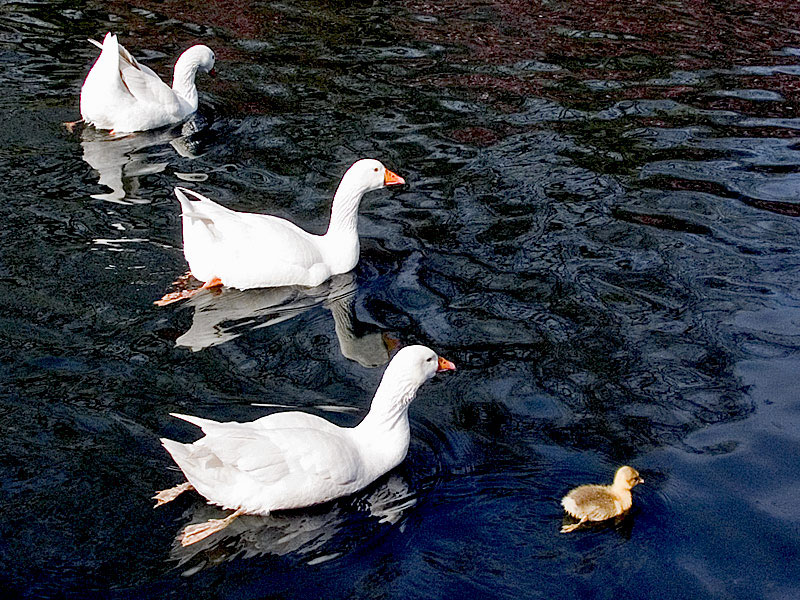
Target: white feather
248,250
120,93
294,459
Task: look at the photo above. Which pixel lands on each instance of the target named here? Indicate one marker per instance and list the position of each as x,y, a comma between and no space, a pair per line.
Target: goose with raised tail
295,459
249,250
123,95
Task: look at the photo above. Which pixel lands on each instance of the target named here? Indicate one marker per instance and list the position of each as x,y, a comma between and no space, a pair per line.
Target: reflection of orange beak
390,178
445,365
213,72
390,342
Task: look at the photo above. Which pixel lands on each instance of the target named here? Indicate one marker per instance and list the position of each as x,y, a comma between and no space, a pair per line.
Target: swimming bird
249,250
601,502
294,459
123,95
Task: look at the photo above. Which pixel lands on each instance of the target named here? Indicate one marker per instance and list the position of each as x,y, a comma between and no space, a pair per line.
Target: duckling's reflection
222,315
309,533
122,159
622,524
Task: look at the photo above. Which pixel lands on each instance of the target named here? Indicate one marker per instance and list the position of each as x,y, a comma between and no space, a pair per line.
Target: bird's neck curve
389,409
183,79
341,238
344,317
344,210
624,495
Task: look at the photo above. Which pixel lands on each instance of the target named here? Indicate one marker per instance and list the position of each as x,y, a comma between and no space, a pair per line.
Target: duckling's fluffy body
601,502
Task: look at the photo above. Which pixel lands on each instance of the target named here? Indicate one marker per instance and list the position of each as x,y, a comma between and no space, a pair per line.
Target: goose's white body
121,94
247,250
293,459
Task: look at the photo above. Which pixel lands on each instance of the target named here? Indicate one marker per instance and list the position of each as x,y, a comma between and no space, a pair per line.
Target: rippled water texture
600,228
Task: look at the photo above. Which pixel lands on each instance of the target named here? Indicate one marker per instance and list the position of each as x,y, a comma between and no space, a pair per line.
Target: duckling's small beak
640,480
390,178
445,365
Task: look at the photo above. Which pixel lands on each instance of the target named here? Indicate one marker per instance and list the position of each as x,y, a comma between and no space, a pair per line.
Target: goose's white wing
122,94
143,84
286,419
260,469
245,249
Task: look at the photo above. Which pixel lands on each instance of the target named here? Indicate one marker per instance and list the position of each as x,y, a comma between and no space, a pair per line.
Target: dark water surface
600,229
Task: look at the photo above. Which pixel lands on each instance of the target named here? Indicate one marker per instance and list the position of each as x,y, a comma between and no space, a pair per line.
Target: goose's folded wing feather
127,57
271,455
244,235
266,235
286,419
136,79
146,86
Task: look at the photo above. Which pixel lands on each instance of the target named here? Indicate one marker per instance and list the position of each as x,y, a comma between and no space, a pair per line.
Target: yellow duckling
601,502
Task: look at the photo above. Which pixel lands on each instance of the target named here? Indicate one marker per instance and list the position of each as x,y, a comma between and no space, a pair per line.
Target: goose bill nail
390,178
445,365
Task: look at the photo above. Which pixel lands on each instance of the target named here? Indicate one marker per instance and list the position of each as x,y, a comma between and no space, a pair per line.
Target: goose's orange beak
445,365
390,178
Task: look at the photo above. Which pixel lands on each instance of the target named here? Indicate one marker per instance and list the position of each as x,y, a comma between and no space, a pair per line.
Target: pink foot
214,282
169,495
200,531
70,125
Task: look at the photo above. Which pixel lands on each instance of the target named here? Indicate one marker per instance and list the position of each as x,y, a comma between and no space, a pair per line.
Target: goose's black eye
376,169
430,359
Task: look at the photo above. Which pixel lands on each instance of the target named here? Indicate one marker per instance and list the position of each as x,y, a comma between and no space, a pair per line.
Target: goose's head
202,56
626,478
416,364
408,370
370,174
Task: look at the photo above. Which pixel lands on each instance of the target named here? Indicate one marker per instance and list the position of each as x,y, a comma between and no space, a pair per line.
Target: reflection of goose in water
309,533
220,316
121,160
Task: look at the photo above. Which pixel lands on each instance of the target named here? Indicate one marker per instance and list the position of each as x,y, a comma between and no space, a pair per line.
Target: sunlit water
599,228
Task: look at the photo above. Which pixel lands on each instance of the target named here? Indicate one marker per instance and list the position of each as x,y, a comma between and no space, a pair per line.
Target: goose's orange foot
70,125
179,295
175,297
194,533
185,280
169,495
213,282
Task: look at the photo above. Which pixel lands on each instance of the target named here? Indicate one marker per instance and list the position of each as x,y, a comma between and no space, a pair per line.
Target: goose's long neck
183,80
341,238
389,410
344,211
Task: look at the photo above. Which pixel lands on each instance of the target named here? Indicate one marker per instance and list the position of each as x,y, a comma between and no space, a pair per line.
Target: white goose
248,250
123,95
294,459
